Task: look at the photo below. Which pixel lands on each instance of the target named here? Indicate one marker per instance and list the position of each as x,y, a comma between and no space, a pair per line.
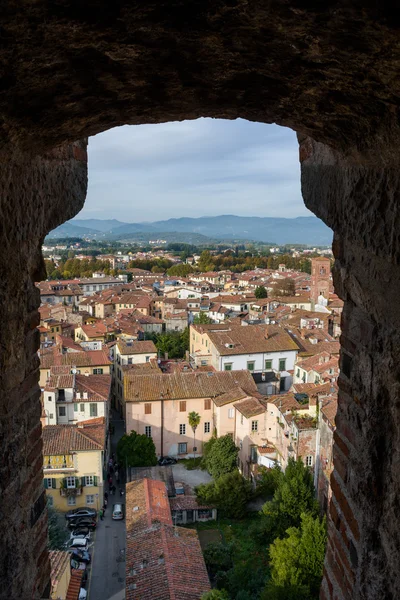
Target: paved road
107,580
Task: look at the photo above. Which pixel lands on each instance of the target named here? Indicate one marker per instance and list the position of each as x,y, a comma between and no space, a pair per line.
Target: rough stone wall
306,444
35,195
361,204
330,71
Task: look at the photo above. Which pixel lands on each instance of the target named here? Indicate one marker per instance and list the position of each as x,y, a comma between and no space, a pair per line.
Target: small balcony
66,492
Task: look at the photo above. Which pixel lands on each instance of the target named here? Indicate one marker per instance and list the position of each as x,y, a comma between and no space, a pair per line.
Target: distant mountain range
300,230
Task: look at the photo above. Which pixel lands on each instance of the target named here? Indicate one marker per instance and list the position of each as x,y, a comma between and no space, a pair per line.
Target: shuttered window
147,409
182,406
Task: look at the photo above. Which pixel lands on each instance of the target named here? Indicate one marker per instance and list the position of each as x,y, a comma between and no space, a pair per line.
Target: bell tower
320,278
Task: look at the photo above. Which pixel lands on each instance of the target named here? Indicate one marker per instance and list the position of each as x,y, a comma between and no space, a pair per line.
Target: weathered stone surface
72,69
330,71
35,195
361,204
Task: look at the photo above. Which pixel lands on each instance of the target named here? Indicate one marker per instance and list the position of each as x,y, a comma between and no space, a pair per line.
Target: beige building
129,353
91,362
158,405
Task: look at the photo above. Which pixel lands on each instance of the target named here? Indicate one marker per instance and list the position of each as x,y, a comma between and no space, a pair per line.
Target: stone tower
320,274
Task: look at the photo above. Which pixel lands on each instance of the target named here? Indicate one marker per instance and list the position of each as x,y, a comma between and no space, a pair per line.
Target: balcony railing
77,491
63,468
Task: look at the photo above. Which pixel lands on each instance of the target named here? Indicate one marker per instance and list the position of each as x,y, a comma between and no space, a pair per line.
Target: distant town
189,396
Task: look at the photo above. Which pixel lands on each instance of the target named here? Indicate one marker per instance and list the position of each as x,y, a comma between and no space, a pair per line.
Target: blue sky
193,169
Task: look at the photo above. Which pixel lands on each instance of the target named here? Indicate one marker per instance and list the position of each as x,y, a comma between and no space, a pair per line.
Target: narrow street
107,581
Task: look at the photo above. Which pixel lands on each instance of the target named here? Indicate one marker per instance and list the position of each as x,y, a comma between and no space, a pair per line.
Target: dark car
80,531
81,512
167,460
82,522
81,556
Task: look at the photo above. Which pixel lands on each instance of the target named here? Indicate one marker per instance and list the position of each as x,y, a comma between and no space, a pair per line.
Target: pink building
158,405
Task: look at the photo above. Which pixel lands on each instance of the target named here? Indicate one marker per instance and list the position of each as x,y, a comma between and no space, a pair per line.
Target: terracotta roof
59,561
318,362
187,503
312,389
251,339
232,395
163,562
74,585
326,343
91,358
250,407
136,347
284,402
143,386
329,409
60,382
97,387
64,439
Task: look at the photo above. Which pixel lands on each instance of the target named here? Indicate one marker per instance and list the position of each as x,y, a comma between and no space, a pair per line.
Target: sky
204,167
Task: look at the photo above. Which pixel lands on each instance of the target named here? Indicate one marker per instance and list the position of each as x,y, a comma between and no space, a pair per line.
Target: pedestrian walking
106,495
113,490
118,480
116,473
101,513
121,492
105,504
111,469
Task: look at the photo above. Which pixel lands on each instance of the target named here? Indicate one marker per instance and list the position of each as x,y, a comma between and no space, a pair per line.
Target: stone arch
73,69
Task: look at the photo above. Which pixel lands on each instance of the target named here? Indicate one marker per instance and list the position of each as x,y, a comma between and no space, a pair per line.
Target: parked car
81,531
167,460
76,535
81,512
81,556
118,512
82,594
82,522
81,543
80,566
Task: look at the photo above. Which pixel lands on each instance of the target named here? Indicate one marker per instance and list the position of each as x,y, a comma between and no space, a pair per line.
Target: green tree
218,557
194,422
293,496
136,450
202,319
297,560
181,270
221,456
260,292
216,595
268,480
57,533
230,493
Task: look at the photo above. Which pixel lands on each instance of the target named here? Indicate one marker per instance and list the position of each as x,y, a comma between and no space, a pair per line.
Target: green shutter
83,481
45,482
54,484
95,480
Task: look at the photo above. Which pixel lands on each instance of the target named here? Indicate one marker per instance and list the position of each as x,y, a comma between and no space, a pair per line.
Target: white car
82,594
80,536
81,543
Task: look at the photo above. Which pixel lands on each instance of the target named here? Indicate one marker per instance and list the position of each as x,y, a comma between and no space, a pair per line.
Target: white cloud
194,168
